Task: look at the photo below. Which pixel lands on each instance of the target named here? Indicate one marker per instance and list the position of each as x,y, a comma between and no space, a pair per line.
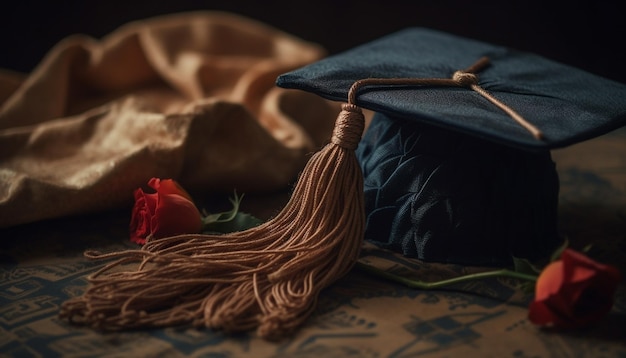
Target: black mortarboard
451,175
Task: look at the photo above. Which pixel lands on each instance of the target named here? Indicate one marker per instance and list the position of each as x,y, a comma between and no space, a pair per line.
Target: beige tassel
266,278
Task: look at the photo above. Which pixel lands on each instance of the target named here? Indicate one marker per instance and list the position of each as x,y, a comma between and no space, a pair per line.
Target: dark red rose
168,212
573,291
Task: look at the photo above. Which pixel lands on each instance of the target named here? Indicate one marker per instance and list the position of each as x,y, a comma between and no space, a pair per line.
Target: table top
361,315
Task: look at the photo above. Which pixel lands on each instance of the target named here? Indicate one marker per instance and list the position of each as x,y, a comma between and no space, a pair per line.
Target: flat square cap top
566,104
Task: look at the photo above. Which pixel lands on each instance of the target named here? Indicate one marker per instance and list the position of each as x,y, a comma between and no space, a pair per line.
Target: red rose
168,212
573,291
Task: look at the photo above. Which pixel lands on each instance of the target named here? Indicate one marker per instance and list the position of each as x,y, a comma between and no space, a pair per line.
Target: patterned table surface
360,316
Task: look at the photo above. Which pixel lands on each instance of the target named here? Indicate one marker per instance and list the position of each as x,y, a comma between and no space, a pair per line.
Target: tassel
266,278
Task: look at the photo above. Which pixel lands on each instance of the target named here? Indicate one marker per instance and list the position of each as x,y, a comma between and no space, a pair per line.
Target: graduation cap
451,160
456,161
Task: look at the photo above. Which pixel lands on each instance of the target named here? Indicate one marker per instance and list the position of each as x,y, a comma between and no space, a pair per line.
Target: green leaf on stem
556,255
229,221
522,265
443,283
239,222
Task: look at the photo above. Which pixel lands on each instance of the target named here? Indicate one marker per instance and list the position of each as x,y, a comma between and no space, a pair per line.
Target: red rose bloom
168,212
573,291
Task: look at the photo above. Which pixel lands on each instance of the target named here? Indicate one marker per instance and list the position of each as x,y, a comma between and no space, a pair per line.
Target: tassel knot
465,79
348,127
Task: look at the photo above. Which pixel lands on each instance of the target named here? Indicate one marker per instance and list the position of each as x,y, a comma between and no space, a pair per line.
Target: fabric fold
188,96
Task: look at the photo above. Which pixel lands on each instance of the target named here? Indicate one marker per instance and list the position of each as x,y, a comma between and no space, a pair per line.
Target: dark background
589,35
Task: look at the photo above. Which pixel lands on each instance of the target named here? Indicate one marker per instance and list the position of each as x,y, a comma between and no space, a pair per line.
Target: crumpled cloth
188,96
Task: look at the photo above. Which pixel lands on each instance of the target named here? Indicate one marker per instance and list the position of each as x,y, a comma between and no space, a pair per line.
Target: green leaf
556,255
527,287
224,216
211,218
229,221
522,265
239,222
587,248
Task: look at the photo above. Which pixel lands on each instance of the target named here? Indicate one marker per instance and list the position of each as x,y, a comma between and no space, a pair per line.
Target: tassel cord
463,78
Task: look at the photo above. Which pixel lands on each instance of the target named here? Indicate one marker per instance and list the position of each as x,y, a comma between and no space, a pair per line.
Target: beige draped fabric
188,96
